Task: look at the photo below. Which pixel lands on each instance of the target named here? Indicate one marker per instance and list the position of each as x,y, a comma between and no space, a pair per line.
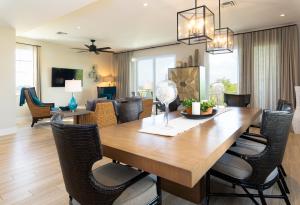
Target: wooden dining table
180,161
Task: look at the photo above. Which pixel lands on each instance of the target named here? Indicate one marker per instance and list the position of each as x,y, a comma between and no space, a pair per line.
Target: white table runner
177,126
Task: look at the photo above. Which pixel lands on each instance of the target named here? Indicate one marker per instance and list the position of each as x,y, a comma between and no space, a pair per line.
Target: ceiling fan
93,48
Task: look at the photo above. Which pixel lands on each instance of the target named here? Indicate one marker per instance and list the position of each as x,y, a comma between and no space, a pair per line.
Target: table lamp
109,79
73,86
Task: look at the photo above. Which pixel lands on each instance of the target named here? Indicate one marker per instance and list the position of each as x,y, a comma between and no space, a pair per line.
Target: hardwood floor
30,171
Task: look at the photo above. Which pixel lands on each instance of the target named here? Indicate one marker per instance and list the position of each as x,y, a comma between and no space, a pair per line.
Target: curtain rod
151,47
267,29
28,44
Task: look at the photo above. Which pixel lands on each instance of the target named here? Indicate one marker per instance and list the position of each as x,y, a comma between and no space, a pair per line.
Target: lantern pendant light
195,25
223,39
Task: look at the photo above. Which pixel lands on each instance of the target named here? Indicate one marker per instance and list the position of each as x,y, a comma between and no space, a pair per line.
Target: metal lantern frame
190,40
229,34
228,49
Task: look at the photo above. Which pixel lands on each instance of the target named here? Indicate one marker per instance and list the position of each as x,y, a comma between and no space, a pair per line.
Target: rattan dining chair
256,142
130,110
258,171
104,115
147,108
234,100
282,105
79,147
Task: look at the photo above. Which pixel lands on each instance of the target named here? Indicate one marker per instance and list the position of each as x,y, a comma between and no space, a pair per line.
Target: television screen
59,75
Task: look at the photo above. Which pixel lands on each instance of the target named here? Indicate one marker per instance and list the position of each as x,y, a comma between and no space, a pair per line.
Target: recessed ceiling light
78,27
282,15
145,4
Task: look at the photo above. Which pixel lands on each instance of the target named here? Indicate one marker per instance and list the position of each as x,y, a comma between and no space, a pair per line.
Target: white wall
7,81
55,55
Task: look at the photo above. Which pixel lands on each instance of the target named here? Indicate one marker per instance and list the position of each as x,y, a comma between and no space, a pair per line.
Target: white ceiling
127,24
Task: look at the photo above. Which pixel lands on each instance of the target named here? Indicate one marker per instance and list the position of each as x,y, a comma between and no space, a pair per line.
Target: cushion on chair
36,101
238,168
141,192
233,166
258,138
244,146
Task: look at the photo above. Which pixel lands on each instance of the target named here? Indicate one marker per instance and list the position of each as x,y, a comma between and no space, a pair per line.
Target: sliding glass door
151,71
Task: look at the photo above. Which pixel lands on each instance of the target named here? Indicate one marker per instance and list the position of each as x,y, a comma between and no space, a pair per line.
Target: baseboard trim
8,131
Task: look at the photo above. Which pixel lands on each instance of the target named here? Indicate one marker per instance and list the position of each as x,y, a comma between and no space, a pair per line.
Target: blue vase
73,104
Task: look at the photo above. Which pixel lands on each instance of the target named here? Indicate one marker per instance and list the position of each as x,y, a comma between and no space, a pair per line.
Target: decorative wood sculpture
187,81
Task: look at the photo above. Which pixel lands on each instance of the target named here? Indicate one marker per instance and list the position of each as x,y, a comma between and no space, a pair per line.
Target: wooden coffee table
76,114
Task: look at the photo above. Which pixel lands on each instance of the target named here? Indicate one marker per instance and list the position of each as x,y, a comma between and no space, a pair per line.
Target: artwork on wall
187,81
93,74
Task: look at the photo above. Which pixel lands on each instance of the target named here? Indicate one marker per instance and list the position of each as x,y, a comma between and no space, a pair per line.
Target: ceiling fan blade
97,52
80,49
87,46
107,51
104,48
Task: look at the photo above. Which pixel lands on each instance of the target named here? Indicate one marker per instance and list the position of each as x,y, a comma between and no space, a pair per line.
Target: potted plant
207,107
187,103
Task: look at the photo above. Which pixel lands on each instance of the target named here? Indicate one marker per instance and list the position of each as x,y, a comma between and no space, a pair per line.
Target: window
25,67
223,68
151,71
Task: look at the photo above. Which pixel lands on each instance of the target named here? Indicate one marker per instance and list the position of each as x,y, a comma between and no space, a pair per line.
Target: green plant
229,87
187,103
205,105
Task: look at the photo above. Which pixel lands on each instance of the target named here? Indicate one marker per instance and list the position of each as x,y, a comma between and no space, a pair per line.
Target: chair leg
281,177
70,200
282,170
286,198
250,196
262,197
158,187
248,129
33,122
207,183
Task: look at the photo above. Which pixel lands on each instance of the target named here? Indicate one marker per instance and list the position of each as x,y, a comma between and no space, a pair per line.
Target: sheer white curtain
266,68
266,71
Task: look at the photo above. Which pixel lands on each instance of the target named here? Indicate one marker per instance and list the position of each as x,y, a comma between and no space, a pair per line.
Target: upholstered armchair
37,109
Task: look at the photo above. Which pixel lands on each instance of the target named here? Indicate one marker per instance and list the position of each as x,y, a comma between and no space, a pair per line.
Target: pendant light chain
195,25
223,39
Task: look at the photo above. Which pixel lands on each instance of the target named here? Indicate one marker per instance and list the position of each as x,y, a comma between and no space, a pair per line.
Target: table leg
196,194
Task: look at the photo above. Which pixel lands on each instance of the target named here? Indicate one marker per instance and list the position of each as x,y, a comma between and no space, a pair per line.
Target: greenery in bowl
205,105
187,103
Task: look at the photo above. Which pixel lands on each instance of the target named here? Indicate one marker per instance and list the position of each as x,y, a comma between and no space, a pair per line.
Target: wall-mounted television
59,75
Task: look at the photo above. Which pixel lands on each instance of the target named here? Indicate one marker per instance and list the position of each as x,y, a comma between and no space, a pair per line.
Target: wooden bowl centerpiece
207,107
